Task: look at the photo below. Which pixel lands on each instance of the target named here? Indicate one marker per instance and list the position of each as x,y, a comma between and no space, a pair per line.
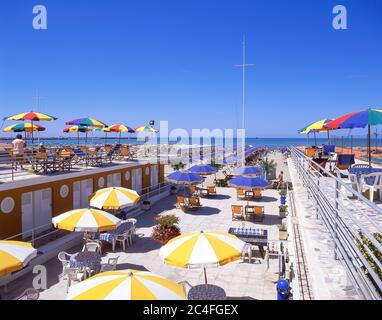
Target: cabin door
81,192
136,182
154,177
114,180
36,211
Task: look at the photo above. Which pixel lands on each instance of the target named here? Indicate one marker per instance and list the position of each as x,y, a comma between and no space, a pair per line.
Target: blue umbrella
248,171
248,183
202,169
179,177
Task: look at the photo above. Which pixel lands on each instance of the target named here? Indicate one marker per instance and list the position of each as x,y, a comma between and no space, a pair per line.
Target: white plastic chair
376,186
110,265
92,246
65,262
74,275
122,239
29,294
134,222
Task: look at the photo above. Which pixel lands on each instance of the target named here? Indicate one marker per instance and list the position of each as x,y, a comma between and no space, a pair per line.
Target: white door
114,180
154,177
136,182
86,192
36,211
77,195
27,214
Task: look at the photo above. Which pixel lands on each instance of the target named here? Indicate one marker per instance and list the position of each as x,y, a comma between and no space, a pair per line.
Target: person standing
18,151
280,181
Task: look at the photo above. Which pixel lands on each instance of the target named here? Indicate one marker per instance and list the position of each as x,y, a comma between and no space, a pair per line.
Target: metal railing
351,219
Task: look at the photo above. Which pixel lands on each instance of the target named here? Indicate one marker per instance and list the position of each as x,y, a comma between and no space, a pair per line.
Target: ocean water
256,142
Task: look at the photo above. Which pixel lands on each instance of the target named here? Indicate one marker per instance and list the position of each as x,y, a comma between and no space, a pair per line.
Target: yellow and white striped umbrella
126,285
86,220
202,249
15,255
114,198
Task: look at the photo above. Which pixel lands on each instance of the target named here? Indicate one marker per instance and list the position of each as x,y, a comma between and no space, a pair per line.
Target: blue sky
133,61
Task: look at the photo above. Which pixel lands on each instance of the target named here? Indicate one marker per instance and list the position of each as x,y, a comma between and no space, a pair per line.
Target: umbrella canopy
189,178
114,198
119,128
86,122
14,255
146,129
359,119
248,182
248,171
317,126
199,249
86,220
31,116
126,285
77,129
202,169
24,127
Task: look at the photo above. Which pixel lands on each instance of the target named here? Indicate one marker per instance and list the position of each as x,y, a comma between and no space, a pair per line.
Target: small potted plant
146,205
283,209
173,190
283,232
166,229
283,194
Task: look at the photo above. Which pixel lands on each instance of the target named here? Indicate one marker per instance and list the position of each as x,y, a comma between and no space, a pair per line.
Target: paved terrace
240,280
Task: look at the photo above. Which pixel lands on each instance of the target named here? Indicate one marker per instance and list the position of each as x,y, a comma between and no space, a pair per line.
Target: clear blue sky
132,61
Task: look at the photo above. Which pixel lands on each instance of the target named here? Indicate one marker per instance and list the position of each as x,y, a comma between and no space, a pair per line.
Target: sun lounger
241,194
194,202
257,194
211,191
193,190
258,212
237,212
182,203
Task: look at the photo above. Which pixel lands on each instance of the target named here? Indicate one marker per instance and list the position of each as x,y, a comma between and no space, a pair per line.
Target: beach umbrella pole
205,277
315,139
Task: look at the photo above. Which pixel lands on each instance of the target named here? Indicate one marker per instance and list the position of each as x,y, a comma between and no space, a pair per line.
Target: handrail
343,223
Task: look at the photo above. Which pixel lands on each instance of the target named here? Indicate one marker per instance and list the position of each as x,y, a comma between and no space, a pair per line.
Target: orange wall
10,223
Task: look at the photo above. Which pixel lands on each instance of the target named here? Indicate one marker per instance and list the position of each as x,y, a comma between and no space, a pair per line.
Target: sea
272,143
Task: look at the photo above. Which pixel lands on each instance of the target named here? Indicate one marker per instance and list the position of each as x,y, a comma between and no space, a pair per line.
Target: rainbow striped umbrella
31,116
77,129
119,128
86,122
146,129
24,127
318,126
359,119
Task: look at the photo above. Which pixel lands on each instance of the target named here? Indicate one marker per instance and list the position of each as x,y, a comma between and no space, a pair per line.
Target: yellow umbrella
114,198
86,220
318,126
14,255
201,249
126,285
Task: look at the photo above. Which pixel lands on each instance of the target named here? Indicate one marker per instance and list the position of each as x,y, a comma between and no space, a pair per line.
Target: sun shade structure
86,122
318,126
359,119
118,128
15,255
114,198
86,220
187,178
202,169
146,129
248,171
32,117
24,127
202,249
248,182
126,285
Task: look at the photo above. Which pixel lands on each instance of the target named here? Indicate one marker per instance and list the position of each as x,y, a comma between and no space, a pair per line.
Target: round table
86,259
207,292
